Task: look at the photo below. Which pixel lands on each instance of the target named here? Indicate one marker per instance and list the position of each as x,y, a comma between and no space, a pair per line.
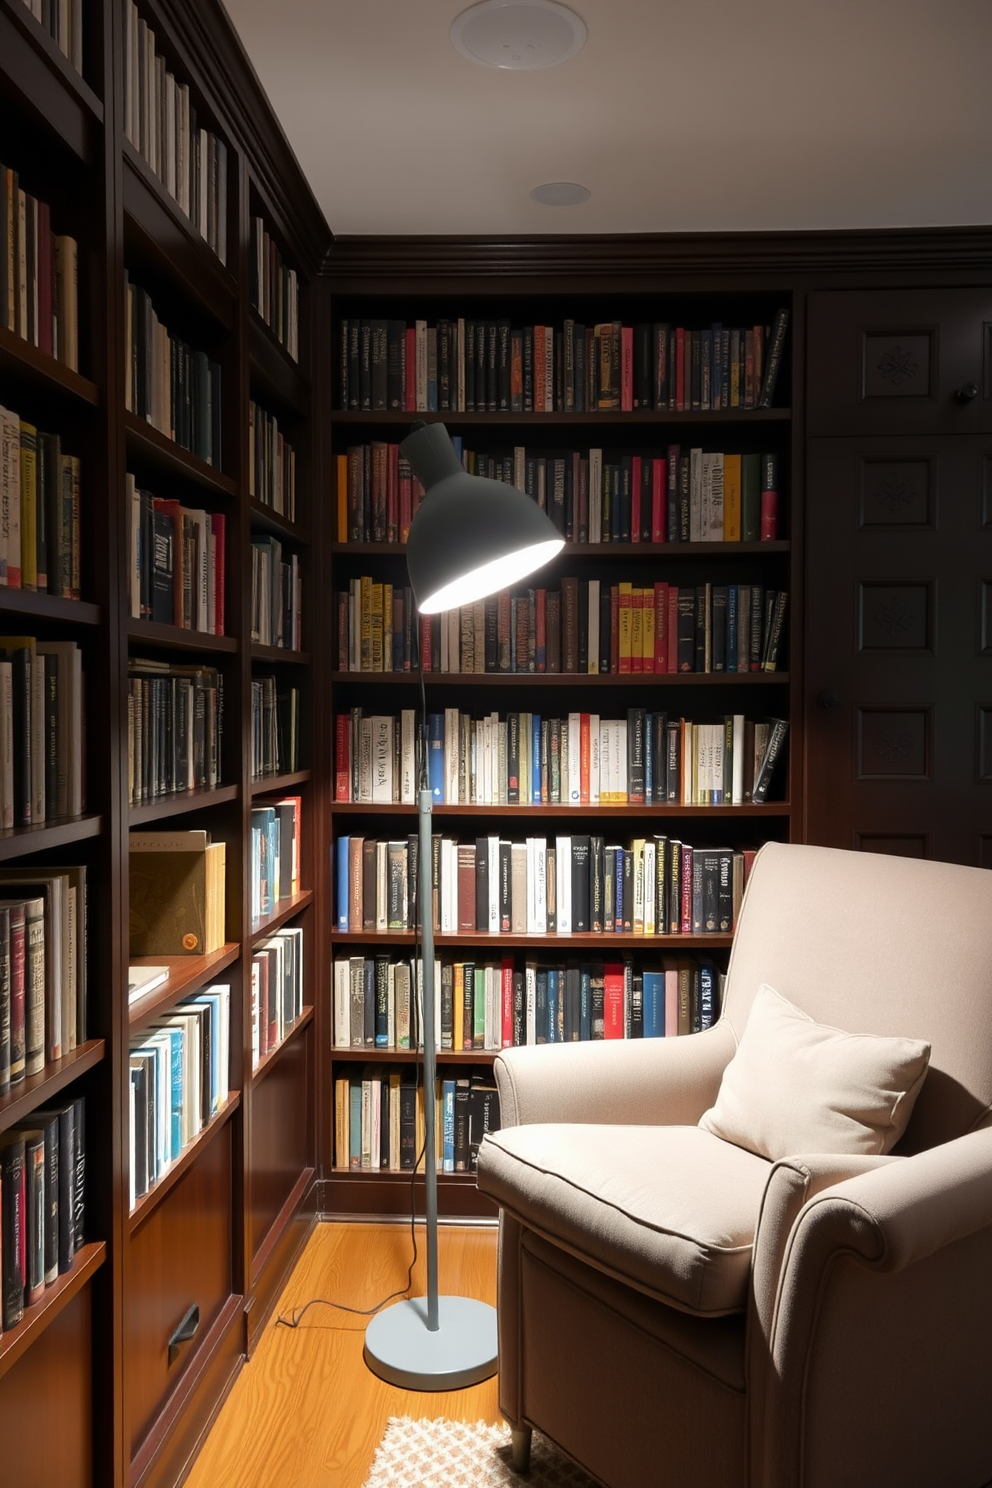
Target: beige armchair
675,1310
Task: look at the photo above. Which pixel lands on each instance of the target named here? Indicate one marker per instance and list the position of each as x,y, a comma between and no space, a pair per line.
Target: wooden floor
306,1411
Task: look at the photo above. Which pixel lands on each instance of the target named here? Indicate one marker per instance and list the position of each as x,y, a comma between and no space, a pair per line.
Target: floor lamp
469,538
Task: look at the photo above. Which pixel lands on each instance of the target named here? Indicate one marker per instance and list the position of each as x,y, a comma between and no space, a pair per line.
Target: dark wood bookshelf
279,655
268,785
16,842
48,79
385,1193
285,910
37,1090
599,551
187,975
148,1203
370,1055
178,638
658,811
274,374
610,943
43,372
14,1342
272,1056
180,804
269,520
38,606
564,679
158,450
595,419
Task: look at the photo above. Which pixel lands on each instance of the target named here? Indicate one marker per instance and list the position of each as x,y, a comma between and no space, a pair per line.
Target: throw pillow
799,1086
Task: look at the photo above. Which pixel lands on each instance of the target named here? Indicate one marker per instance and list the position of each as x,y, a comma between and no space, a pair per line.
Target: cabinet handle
186,1330
966,393
828,698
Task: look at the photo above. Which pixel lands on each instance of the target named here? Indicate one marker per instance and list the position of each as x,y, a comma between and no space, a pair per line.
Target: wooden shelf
38,1090
16,842
49,607
597,418
599,551
411,1056
610,942
16,1341
565,679
150,1200
178,638
575,813
162,233
68,104
272,1056
269,785
180,803
273,372
285,910
43,372
280,655
279,526
187,975
162,453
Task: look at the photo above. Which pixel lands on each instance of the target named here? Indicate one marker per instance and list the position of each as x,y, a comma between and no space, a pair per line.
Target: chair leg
520,1448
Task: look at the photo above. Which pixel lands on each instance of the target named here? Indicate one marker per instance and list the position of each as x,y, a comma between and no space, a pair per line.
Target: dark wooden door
898,702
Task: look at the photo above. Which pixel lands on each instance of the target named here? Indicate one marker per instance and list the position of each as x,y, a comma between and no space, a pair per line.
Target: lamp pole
425,802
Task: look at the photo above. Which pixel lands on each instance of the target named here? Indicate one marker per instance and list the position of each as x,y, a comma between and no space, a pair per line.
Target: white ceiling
678,115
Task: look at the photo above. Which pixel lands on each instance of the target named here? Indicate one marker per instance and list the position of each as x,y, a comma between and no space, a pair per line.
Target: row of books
63,20
586,626
646,758
274,288
161,123
41,730
489,1005
276,989
379,1121
175,726
274,863
43,968
39,293
684,495
491,366
577,883
176,893
42,1204
177,562
276,595
179,1078
271,463
275,727
172,386
39,510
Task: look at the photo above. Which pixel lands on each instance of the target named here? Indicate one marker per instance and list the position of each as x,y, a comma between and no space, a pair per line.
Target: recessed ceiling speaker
561,194
518,35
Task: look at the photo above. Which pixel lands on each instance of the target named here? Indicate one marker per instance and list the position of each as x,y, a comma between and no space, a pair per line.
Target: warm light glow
489,578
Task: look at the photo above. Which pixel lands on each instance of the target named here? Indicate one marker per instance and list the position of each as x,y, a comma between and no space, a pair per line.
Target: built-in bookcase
618,463
173,1283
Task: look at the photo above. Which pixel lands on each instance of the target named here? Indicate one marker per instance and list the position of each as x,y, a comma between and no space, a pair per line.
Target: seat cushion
669,1209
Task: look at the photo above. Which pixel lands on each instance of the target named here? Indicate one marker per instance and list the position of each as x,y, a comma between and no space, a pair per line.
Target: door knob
828,698
966,393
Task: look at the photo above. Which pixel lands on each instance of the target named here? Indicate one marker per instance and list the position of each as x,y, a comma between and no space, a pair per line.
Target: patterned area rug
454,1454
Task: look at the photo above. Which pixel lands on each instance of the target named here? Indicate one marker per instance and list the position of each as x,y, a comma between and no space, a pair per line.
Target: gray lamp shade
470,536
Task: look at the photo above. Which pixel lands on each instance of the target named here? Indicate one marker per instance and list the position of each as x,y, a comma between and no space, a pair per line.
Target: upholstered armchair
675,1308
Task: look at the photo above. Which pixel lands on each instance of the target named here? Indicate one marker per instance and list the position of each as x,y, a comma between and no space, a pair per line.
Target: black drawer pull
186,1330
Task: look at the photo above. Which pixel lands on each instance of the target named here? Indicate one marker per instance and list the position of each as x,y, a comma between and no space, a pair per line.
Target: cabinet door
898,706
900,361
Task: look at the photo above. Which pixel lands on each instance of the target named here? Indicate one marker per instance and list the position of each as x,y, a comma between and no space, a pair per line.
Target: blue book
355,1122
618,890
216,1003
707,978
541,1006
649,759
456,440
176,1132
343,846
553,995
731,657
447,1126
263,821
654,1004
535,755
435,756
585,1002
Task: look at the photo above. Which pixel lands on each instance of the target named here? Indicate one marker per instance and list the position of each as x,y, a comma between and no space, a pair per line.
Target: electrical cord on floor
294,1319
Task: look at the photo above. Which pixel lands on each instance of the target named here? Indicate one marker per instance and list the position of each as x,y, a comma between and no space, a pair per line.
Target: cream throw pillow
798,1086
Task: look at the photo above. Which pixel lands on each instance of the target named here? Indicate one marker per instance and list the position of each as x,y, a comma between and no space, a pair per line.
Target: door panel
898,704
899,361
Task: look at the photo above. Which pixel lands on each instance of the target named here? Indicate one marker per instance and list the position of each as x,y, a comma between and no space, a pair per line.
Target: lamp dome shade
470,536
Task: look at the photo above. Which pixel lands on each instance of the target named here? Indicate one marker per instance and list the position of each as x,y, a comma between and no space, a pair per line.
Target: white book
574,772
381,887
382,727
182,147
563,884
493,883
501,764
169,160
452,740
130,28
204,146
650,878
637,917
408,757
530,1002
132,1192
222,207
737,786
540,885
595,736
144,979
714,531
493,1007
520,467
606,762
342,1003
449,885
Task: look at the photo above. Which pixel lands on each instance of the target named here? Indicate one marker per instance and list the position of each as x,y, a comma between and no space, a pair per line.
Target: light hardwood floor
306,1411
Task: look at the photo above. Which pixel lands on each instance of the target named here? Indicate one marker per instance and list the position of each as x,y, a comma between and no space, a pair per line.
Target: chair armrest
630,1082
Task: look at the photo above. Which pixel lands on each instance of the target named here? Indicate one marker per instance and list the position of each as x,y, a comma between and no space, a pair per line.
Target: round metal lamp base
400,1349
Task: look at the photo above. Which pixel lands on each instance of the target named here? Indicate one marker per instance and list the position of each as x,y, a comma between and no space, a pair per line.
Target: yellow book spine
624,621
29,506
731,498
376,627
365,604
647,629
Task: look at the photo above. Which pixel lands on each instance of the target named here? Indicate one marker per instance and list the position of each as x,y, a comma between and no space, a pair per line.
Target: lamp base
400,1349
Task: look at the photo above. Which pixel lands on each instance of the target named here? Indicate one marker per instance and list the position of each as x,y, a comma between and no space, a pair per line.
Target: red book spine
540,357
392,492
506,1002
613,1001
410,371
218,526
661,626
769,516
614,628
405,484
659,500
685,888
585,757
635,498
342,757
627,371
